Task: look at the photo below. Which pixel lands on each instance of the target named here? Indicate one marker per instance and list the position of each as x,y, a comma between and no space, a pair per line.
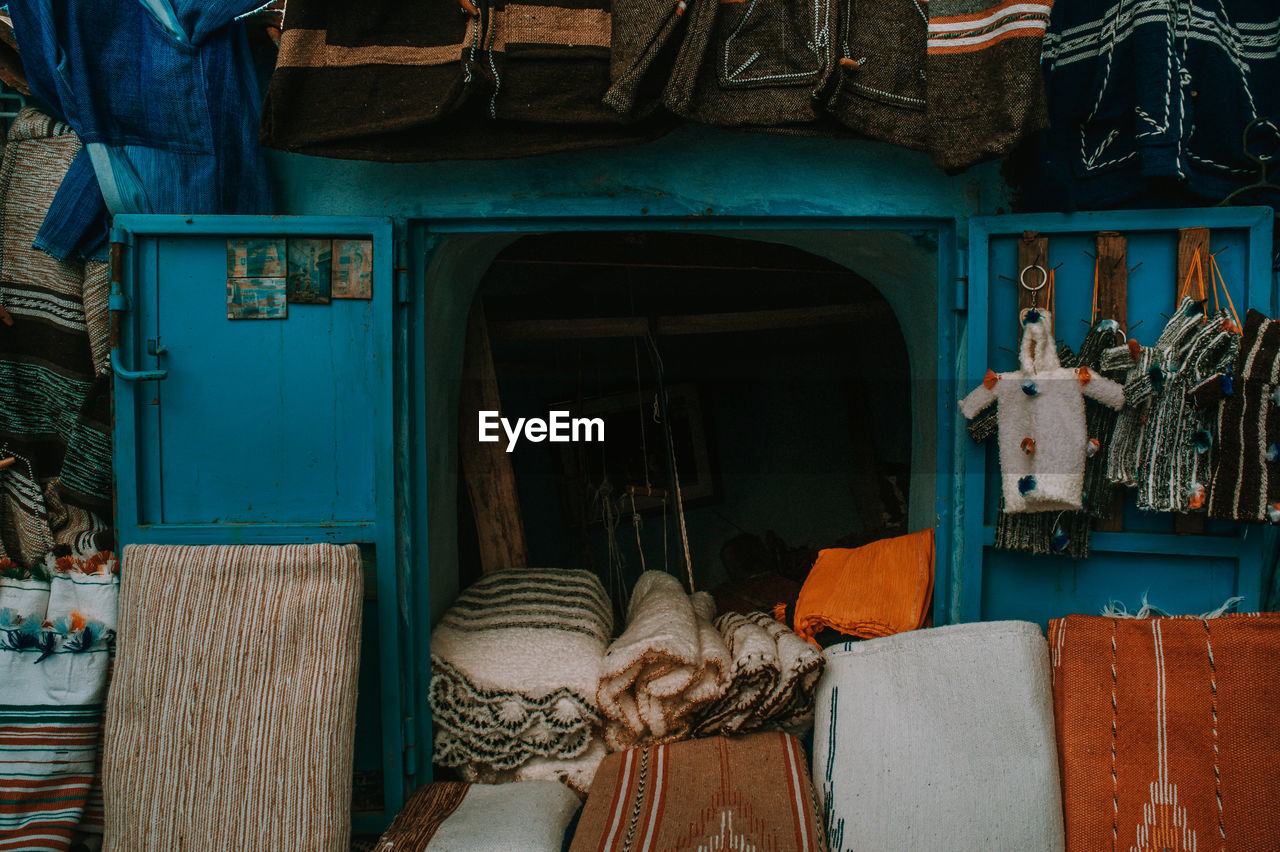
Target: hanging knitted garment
1041,418
1245,487
1142,384
1176,469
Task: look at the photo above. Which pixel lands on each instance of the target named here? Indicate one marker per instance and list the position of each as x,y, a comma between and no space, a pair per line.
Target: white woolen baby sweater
1041,421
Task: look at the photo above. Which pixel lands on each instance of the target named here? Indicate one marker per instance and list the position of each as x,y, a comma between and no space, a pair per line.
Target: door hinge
961,298
410,746
404,295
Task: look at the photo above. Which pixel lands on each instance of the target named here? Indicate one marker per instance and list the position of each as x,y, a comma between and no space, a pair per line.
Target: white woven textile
939,739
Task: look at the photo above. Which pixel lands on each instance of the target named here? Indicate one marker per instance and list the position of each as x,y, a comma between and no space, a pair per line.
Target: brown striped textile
55,384
444,80
231,714
1168,731
1245,483
750,792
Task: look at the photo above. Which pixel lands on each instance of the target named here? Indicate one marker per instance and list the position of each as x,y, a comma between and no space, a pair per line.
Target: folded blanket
876,590
231,715
1167,731
514,667
750,792
669,662
55,654
455,817
940,739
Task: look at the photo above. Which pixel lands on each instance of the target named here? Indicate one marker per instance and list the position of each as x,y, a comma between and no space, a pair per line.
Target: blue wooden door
1146,557
265,428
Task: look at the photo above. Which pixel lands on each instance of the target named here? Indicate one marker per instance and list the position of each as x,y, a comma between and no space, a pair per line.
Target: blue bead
1032,315
1026,483
1060,539
1228,384
1273,452
1030,389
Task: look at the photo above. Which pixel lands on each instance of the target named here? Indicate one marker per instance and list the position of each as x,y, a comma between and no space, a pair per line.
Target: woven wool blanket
875,590
668,663
54,380
514,668
773,675
748,792
1168,731
231,715
531,816
939,739
56,640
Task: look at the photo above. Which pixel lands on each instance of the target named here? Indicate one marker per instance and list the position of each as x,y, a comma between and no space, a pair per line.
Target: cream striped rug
231,713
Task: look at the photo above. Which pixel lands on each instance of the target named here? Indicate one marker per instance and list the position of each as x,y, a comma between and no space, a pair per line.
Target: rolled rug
1167,730
667,663
789,705
515,664
939,739
753,675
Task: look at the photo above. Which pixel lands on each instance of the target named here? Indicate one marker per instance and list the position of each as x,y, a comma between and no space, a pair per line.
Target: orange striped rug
1168,731
750,792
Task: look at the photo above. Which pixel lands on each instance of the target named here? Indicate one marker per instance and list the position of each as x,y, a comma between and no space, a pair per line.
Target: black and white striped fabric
1246,479
515,664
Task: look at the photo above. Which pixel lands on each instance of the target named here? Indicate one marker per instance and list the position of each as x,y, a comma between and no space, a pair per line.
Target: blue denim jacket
164,96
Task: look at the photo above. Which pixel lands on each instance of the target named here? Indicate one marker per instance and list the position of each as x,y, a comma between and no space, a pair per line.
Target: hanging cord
606,509
636,524
1093,312
1215,275
671,454
1196,269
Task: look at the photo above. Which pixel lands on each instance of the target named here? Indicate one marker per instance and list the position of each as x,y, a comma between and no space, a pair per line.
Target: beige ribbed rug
231,713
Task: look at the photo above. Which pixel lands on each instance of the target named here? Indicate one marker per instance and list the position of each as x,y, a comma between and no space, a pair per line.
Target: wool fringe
1117,609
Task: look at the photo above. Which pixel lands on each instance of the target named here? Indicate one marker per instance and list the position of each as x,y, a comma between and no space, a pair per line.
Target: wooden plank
717,323
1112,297
1033,250
486,467
1191,240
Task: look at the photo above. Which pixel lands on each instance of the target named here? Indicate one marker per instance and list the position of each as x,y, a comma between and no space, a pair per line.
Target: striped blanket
54,379
231,718
750,792
514,667
56,640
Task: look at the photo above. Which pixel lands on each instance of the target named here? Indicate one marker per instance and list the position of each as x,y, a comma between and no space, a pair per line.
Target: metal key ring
1022,277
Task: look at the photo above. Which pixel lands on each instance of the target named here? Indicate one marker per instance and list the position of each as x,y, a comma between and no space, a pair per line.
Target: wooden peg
9,462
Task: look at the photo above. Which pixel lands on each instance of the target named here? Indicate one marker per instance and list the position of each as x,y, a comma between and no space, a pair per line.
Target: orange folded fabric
876,590
1168,731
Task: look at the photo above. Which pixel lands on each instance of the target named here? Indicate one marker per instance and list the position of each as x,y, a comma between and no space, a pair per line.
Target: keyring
1022,277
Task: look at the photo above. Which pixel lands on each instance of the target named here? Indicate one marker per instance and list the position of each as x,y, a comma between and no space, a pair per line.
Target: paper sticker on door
310,270
352,269
256,298
255,257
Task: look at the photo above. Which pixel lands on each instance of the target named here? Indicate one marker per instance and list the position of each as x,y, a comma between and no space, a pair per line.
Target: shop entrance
773,383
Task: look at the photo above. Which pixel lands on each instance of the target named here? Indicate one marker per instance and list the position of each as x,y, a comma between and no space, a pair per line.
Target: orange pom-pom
1083,374
990,379
1135,349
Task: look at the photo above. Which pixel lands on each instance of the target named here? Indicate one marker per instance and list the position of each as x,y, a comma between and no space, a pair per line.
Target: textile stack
1166,730
56,641
231,715
515,663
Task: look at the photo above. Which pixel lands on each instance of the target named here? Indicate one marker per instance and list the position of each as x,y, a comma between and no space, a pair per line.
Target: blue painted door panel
269,431
1178,573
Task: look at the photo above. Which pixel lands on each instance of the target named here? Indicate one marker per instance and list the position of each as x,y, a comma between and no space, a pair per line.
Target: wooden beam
1033,250
1113,303
1189,241
491,482
718,323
